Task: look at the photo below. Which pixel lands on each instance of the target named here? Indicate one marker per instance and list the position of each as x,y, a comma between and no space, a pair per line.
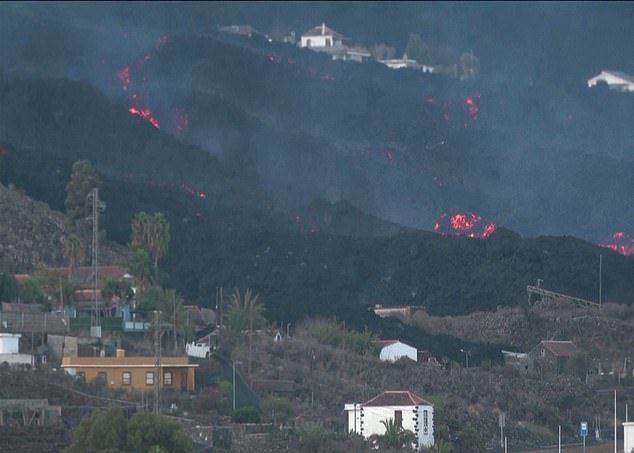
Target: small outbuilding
393,350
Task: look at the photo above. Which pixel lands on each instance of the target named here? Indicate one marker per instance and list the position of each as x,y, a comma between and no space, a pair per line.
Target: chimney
323,28
120,353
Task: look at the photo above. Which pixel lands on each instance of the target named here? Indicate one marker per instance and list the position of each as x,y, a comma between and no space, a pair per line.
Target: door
398,419
184,380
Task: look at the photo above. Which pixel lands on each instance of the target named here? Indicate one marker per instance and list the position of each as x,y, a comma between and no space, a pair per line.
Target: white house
345,53
408,410
321,37
628,437
392,350
615,80
10,350
404,62
200,348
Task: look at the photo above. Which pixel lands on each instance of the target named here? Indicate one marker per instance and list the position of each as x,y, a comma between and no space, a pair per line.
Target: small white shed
10,350
9,343
628,437
393,350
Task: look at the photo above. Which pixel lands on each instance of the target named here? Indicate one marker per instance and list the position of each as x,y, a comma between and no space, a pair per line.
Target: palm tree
248,309
395,436
73,252
152,233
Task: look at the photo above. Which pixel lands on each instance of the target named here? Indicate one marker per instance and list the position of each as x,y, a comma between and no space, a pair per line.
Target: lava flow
146,114
471,102
621,243
124,76
464,223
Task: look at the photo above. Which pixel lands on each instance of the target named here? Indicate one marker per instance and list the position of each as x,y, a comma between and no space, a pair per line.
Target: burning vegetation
465,223
620,242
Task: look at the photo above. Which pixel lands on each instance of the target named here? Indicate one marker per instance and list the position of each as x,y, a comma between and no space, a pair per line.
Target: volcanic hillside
233,138
31,234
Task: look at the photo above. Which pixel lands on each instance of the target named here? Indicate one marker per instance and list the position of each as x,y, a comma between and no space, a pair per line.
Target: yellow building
138,373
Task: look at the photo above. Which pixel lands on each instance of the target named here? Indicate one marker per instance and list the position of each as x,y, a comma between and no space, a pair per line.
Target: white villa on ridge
324,39
393,350
615,80
408,410
321,36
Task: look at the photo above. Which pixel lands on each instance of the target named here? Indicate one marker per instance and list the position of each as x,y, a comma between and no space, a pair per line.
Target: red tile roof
83,274
22,308
397,398
560,348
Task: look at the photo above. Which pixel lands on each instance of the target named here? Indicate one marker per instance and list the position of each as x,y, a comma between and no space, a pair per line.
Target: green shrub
334,334
279,409
246,415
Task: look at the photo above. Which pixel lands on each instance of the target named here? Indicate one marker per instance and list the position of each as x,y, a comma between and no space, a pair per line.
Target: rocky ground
32,233
601,333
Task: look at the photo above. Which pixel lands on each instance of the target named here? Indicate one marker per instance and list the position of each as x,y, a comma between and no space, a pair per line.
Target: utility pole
174,322
600,280
234,382
250,342
157,361
219,313
559,443
95,328
614,420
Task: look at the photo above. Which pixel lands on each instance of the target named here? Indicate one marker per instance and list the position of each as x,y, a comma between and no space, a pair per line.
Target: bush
110,431
334,334
247,414
279,409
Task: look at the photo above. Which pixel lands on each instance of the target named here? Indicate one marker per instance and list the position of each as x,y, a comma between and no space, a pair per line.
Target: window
126,378
425,422
167,378
149,378
398,418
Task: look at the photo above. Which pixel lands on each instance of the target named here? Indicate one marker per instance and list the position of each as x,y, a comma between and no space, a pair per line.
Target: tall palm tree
152,233
73,252
251,311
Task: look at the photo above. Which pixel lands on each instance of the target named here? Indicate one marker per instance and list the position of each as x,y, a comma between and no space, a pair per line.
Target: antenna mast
95,328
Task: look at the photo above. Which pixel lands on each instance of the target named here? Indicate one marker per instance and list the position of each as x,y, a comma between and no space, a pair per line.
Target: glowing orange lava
146,114
464,223
621,243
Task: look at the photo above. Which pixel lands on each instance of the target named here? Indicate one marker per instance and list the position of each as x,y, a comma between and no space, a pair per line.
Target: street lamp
234,382
466,357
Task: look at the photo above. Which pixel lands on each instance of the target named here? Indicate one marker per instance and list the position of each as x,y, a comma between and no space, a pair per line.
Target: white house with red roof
393,350
405,408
